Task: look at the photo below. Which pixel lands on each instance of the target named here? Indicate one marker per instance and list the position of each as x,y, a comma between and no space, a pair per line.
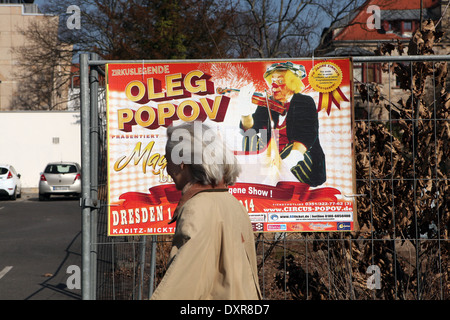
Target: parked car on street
10,184
60,178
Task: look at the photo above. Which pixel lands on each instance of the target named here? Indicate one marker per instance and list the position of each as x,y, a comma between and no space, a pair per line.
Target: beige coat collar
191,191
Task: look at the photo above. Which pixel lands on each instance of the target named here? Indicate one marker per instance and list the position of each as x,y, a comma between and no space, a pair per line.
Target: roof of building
355,25
349,51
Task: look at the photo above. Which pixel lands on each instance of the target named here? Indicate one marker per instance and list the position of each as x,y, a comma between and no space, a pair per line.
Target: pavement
40,244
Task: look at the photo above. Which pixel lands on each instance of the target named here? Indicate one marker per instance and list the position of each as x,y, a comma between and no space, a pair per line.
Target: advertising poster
289,123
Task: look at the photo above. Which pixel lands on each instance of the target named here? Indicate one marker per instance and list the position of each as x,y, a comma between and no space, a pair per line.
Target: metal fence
401,250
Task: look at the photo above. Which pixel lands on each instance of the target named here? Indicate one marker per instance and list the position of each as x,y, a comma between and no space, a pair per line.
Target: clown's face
279,89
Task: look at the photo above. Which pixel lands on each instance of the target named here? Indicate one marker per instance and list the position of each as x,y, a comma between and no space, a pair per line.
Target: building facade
15,18
376,23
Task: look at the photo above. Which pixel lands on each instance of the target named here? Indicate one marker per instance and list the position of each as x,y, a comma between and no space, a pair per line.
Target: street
38,242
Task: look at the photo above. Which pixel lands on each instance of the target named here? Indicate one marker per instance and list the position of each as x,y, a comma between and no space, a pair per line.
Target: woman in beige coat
213,250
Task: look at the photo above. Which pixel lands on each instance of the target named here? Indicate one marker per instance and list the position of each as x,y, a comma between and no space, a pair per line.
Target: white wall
26,141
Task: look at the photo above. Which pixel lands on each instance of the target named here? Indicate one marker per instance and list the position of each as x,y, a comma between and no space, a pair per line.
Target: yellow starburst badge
325,78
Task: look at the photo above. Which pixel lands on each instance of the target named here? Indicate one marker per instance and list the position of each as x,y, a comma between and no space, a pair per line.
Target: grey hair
196,144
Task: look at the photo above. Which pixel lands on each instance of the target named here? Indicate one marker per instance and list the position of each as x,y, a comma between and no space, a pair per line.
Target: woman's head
196,147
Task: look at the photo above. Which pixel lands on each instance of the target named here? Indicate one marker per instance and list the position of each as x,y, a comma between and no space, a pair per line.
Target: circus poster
312,119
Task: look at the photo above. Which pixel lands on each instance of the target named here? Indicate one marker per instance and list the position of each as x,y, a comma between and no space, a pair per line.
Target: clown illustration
290,118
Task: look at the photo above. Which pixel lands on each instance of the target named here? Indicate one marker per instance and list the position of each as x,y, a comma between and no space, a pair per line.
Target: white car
10,184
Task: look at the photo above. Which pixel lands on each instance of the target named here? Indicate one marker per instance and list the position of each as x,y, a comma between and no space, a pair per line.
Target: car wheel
14,195
43,197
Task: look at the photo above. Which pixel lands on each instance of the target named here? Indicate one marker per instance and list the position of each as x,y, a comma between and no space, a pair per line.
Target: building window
399,26
367,72
407,25
389,26
394,26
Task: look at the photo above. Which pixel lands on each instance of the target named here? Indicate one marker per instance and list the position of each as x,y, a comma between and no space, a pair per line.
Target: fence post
142,247
94,151
152,266
85,178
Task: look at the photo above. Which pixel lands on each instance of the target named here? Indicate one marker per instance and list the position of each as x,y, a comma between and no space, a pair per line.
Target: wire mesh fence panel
401,248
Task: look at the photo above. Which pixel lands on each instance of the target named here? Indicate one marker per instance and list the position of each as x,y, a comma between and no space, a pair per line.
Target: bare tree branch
45,68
